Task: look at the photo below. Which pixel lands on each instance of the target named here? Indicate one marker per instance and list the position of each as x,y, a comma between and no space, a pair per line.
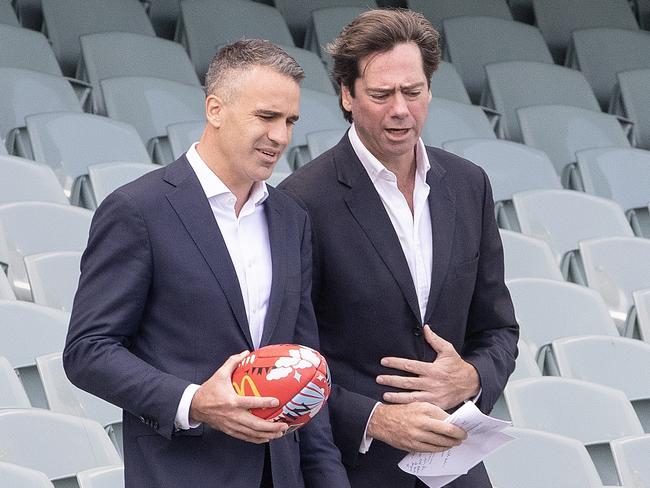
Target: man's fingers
409,397
249,402
403,382
229,366
403,364
436,342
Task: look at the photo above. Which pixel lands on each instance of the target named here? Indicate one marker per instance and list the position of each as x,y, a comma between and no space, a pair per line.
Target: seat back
447,83
182,135
26,49
25,180
528,257
21,477
12,392
448,120
54,277
320,141
110,477
316,77
631,458
632,86
438,10
7,14
107,177
642,304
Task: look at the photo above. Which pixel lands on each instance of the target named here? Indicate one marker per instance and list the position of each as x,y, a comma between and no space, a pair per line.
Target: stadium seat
438,10
111,477
6,292
24,180
14,476
164,16
515,84
616,267
25,92
467,48
29,13
561,130
563,218
630,100
53,278
182,135
316,77
56,444
26,49
557,19
449,120
33,227
29,331
65,20
511,168
63,397
115,54
321,140
7,14
631,459
548,309
590,413
601,53
618,362
206,24
528,257
106,177
150,105
537,459
622,175
277,176
12,392
447,83
70,142
642,306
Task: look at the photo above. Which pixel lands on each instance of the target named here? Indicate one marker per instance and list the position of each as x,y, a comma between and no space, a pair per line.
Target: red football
296,375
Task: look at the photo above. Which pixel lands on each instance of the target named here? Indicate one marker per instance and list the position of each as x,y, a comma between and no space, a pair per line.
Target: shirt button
417,331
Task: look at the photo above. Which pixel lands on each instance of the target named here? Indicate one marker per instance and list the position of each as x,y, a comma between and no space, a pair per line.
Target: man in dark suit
185,268
413,313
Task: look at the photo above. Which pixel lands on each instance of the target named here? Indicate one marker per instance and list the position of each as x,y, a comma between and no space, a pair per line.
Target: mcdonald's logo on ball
297,376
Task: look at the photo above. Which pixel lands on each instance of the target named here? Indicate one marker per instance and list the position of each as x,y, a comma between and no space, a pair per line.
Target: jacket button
417,331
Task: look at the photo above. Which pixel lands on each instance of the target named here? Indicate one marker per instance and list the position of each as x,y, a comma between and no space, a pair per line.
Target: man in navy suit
187,268
413,314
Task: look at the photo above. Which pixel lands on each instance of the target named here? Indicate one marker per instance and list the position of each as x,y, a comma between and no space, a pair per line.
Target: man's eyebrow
273,113
412,86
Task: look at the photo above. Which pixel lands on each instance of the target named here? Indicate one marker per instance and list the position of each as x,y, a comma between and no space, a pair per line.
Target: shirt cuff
478,395
182,420
367,440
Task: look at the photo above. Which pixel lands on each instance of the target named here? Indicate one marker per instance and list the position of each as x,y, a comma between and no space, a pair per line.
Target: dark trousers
267,478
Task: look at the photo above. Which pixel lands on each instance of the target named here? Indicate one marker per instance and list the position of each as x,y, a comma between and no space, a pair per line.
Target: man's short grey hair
233,59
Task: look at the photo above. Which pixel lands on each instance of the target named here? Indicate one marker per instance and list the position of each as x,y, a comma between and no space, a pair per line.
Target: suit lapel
193,209
443,217
368,210
277,238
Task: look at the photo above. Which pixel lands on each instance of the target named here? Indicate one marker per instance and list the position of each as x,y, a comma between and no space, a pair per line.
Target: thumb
435,341
232,362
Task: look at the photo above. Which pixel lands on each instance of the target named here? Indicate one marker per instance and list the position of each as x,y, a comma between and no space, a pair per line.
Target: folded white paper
483,436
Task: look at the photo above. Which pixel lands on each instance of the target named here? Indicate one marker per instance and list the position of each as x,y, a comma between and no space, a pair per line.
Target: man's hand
217,404
414,427
446,382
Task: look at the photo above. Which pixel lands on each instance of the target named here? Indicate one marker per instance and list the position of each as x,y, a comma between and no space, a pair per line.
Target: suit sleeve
116,271
492,330
320,460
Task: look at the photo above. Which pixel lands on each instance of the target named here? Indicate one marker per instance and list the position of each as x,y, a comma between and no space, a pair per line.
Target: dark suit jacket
366,304
159,307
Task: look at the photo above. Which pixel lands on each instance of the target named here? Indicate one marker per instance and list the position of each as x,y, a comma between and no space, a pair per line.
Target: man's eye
380,96
413,94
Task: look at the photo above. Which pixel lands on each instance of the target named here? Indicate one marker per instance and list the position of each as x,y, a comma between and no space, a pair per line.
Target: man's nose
399,107
280,133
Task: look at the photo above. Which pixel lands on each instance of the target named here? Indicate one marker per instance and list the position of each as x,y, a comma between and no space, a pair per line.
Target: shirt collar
212,184
376,169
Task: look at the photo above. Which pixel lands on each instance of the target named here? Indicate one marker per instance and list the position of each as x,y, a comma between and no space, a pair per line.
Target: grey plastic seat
438,10
70,142
110,477
590,413
7,14
622,175
537,459
318,111
106,177
26,180
560,131
631,459
65,20
63,397
618,362
277,177
528,257
150,105
511,168
182,135
563,218
449,120
53,278
14,476
320,141
115,54
33,227
25,92
206,24
630,100
316,77
56,444
26,49
29,331
467,48
12,393
515,84
6,292
616,267
548,309
601,53
447,83
642,305
557,19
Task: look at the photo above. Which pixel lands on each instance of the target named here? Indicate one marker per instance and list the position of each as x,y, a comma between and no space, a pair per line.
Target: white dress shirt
247,240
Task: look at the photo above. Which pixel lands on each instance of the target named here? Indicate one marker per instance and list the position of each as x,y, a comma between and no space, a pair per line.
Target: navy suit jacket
366,304
159,307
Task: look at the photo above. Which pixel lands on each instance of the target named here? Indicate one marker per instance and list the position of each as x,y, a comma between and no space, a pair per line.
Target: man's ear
346,98
214,110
